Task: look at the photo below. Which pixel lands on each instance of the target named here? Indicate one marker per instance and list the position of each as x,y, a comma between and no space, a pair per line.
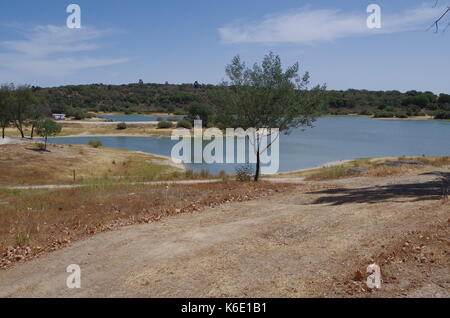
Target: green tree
23,103
203,111
444,99
47,127
37,112
5,107
265,97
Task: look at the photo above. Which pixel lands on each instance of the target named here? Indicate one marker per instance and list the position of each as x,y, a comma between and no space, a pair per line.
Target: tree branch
437,22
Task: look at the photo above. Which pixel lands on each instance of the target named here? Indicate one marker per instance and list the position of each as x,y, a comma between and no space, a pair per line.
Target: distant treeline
177,99
78,101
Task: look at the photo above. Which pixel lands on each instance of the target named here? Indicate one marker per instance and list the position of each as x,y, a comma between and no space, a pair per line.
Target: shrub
173,119
189,174
121,126
159,119
204,173
40,146
164,124
78,114
184,123
384,114
95,143
244,173
328,173
365,112
442,115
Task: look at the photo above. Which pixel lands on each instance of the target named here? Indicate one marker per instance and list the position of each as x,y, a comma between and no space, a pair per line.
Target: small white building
59,116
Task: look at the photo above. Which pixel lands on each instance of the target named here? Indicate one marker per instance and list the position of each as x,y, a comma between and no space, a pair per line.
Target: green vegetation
184,124
266,97
95,143
387,104
165,125
26,105
376,167
121,126
47,127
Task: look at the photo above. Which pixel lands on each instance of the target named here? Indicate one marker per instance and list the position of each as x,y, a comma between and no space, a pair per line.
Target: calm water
132,118
332,138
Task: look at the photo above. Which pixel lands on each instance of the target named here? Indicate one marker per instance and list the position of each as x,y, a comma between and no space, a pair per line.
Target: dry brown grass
90,129
132,130
43,220
22,164
374,167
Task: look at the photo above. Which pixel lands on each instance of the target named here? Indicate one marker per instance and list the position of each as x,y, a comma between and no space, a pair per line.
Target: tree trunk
32,131
19,127
45,147
3,132
258,166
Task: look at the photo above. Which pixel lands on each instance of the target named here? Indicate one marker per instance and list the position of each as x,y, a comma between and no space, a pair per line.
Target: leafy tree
37,112
47,127
184,123
23,103
203,111
5,107
265,97
444,99
165,124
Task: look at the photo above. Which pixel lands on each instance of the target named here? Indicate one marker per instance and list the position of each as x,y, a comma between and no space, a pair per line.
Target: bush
184,123
121,126
442,115
244,173
384,114
40,146
165,124
95,143
159,119
328,173
173,119
78,114
365,112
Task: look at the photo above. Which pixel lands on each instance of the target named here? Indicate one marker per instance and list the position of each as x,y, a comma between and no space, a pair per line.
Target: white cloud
49,51
308,26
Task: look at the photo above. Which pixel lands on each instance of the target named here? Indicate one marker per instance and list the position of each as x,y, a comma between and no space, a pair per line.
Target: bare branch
437,22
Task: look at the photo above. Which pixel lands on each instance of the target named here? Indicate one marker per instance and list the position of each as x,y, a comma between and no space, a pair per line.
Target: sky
180,41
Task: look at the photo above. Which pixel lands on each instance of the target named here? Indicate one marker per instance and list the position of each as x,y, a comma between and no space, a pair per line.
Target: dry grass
132,130
90,129
24,164
374,168
43,220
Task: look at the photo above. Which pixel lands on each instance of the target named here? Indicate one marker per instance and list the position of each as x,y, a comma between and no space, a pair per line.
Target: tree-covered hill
147,98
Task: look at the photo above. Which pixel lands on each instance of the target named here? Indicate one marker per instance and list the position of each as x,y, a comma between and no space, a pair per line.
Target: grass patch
73,164
374,167
327,173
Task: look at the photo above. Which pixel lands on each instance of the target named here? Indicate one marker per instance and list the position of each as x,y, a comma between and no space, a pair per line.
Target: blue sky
183,41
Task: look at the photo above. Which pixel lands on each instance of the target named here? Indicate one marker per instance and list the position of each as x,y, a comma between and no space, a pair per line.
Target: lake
332,138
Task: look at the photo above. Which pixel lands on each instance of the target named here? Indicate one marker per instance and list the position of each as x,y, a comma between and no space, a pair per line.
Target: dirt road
303,243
